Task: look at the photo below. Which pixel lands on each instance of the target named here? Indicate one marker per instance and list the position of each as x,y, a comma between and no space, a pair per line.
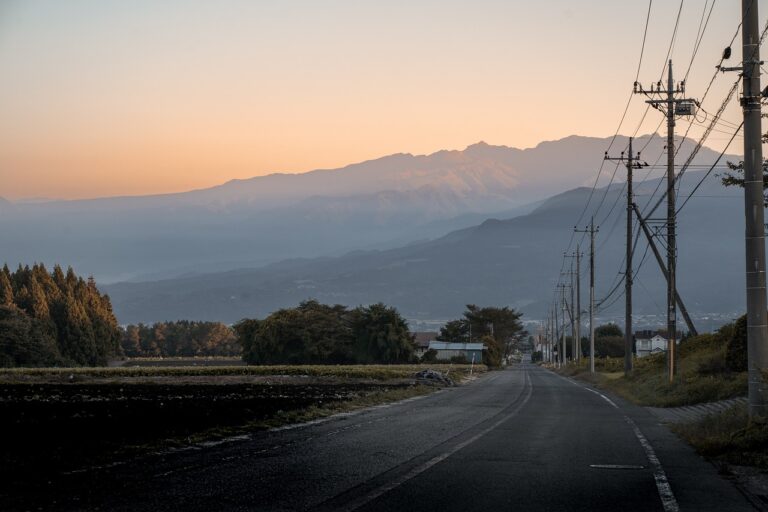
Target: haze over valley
427,234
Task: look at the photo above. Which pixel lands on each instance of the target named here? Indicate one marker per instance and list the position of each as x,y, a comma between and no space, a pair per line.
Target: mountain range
513,262
378,204
427,234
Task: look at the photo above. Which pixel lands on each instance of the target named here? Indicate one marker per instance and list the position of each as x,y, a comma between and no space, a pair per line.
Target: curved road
520,439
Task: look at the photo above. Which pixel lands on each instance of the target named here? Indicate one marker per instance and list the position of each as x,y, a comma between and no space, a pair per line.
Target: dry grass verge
702,376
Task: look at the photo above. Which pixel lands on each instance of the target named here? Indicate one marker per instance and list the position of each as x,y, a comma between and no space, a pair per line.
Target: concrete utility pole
757,331
663,267
555,308
569,307
670,107
631,162
591,230
545,355
573,320
578,303
575,305
562,335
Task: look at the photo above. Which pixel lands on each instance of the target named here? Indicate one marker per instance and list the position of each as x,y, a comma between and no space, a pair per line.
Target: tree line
54,319
314,333
183,338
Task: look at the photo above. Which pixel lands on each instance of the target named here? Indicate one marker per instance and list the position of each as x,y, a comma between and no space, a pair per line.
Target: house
421,341
472,352
647,346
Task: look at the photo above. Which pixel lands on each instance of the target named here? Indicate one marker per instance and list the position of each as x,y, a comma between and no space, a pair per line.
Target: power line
645,33
710,169
700,35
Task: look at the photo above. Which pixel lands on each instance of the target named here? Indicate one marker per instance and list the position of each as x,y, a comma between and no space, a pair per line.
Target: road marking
364,500
615,466
668,500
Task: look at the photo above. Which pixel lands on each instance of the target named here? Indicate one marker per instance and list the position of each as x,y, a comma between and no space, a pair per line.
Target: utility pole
545,355
578,303
757,331
569,305
670,107
591,230
663,267
557,333
575,305
631,162
562,335
573,320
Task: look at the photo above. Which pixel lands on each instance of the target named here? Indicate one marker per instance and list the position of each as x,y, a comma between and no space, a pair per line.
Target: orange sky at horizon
114,98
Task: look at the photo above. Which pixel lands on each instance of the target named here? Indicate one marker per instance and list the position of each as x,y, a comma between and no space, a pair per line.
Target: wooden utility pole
631,162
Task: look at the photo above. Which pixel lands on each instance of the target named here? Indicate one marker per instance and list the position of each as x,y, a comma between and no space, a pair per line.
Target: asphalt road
520,439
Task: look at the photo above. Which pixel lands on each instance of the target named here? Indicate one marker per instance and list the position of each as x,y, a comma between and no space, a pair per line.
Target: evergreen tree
65,309
6,290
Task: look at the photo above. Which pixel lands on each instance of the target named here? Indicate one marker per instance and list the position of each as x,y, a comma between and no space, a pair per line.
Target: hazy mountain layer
383,203
499,262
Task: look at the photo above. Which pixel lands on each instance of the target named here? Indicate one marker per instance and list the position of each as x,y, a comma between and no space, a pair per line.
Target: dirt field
63,419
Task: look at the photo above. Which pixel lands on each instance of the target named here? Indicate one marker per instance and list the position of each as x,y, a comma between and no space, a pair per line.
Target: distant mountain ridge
511,262
383,203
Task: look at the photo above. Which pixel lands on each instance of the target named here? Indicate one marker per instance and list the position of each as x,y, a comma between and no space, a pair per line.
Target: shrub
736,352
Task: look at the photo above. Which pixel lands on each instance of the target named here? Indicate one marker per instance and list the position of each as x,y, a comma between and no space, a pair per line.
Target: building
421,341
472,352
647,346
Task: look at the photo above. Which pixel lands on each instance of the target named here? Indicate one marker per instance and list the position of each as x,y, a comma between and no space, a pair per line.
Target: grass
701,377
728,437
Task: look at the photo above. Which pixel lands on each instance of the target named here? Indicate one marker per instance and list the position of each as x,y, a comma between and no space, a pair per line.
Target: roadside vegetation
710,367
729,438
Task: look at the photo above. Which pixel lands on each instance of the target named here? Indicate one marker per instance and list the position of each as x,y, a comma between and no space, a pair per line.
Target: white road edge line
364,500
668,500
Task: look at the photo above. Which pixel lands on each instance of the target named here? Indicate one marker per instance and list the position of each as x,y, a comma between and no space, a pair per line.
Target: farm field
64,419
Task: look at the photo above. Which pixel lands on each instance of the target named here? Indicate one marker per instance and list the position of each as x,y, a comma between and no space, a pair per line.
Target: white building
472,352
648,346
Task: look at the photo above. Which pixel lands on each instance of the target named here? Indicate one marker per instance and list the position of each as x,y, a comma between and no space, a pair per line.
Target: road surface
519,439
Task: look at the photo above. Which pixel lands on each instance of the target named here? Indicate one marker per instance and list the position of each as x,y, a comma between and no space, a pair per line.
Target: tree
247,332
381,335
23,341
736,347
131,341
493,353
735,178
6,290
609,346
319,333
500,329
456,331
609,341
608,330
66,309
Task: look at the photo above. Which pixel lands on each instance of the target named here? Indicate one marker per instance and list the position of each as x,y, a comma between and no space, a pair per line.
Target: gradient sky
132,97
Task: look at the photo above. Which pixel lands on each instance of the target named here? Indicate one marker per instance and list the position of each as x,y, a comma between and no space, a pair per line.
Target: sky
102,98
